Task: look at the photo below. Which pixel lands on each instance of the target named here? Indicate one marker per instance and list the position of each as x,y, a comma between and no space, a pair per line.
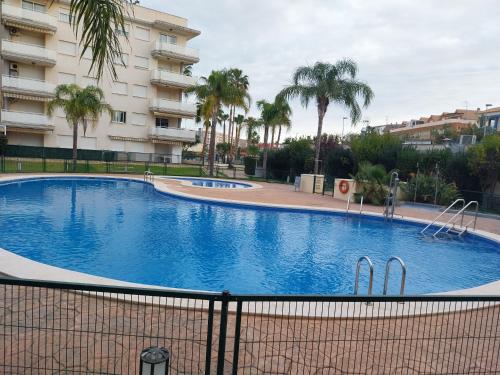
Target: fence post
222,332
237,333
314,184
210,327
165,167
88,166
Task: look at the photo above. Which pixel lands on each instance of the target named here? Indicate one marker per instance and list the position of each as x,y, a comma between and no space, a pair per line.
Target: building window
140,91
89,81
142,33
67,48
66,78
119,117
161,122
141,62
139,118
88,54
171,39
29,5
120,31
120,88
123,61
64,15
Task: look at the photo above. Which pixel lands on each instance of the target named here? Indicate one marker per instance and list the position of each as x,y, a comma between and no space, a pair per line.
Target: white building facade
39,51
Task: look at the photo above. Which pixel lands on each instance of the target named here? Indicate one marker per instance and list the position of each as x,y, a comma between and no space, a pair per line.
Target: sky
420,57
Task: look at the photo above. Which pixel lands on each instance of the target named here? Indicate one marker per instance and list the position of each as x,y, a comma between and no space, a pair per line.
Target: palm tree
267,116
79,105
100,34
327,83
216,90
203,114
241,100
223,117
239,121
283,113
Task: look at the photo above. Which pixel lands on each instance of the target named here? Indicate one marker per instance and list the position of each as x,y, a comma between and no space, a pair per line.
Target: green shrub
426,188
371,178
3,144
250,164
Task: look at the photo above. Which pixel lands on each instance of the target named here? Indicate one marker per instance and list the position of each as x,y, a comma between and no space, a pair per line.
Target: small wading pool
212,183
127,230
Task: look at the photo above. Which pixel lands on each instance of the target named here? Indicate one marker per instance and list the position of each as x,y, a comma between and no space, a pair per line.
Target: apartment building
422,129
39,51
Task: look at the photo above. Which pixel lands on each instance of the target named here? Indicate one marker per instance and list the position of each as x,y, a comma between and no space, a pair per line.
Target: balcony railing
175,134
163,49
37,121
164,77
27,86
17,16
28,53
173,107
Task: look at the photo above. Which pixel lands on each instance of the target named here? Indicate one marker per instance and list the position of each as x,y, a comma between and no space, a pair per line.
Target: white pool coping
185,182
16,266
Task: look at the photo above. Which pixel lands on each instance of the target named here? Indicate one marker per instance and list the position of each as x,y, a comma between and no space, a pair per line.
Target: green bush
371,178
340,163
250,164
3,144
426,188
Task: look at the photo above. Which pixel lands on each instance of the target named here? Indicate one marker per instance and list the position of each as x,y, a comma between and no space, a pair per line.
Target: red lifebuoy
343,186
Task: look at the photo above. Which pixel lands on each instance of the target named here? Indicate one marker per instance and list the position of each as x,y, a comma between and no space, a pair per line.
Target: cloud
419,57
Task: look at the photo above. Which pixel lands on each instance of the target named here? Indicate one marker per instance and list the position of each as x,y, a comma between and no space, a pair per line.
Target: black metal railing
51,327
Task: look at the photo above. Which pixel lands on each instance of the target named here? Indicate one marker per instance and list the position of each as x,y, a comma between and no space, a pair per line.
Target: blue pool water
221,184
128,231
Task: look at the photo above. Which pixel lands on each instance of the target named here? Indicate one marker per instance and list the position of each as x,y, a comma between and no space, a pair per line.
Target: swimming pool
212,183
129,231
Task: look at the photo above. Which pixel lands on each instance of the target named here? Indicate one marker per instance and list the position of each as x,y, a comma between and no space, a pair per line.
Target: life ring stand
344,186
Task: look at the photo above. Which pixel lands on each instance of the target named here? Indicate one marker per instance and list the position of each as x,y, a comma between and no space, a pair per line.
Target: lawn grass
61,166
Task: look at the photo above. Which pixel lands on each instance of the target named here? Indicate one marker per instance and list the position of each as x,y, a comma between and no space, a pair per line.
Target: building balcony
173,108
28,53
27,86
172,134
26,120
166,78
171,51
14,16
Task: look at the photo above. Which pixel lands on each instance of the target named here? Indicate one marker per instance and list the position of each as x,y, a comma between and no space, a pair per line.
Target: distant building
219,139
421,131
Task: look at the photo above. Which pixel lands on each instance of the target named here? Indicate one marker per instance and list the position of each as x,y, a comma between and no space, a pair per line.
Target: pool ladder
386,277
149,176
452,226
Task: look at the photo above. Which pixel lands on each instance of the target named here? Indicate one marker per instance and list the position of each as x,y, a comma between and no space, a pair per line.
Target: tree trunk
279,136
321,115
224,131
264,158
272,136
75,144
211,149
203,149
237,140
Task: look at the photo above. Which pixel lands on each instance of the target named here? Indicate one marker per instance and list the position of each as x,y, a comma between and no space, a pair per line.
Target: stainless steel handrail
460,212
348,204
149,176
403,274
392,196
356,281
442,213
361,205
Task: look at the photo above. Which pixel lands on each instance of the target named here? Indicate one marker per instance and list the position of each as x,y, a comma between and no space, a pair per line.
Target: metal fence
48,327
43,165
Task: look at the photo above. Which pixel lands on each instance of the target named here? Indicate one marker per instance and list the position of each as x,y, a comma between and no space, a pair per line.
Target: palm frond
100,22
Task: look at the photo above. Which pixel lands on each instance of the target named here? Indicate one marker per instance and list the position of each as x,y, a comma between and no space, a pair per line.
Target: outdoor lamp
154,361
